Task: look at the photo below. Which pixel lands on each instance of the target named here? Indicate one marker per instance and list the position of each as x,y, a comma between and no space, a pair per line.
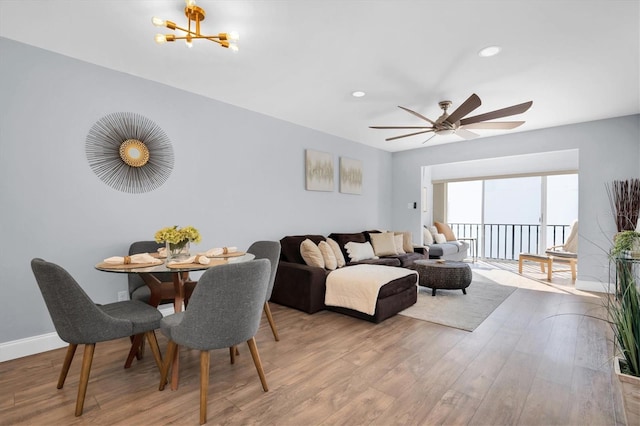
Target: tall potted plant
624,314
624,308
624,196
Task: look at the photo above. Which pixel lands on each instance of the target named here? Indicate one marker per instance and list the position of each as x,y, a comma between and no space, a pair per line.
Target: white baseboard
45,342
594,286
30,346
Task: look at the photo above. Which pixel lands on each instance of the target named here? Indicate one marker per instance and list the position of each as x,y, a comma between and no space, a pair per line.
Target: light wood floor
534,361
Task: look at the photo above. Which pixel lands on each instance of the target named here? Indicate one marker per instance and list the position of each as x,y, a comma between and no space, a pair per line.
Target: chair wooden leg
153,343
140,353
87,359
135,347
520,265
549,268
232,354
267,310
71,350
204,384
256,360
572,265
168,359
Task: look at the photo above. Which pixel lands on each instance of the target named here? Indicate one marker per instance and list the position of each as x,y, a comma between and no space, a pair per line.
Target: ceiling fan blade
400,127
417,114
499,113
467,106
465,134
428,139
410,134
503,125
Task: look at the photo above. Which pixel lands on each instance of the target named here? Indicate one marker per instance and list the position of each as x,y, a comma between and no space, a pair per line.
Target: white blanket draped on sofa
356,287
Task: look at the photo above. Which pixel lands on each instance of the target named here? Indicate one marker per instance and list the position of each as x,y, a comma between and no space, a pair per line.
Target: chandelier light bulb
195,15
158,22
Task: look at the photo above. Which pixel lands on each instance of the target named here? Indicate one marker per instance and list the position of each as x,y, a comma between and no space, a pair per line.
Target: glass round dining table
180,274
169,290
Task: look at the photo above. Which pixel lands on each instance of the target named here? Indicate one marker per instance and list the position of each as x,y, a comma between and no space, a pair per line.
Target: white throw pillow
383,244
330,261
399,241
440,239
337,252
311,254
360,251
427,237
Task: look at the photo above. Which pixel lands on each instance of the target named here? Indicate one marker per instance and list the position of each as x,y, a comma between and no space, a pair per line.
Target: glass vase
177,252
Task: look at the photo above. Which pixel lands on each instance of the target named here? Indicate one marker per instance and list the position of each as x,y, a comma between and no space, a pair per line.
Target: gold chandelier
196,15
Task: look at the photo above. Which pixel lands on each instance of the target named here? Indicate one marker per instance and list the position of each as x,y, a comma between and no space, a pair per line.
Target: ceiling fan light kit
195,15
457,122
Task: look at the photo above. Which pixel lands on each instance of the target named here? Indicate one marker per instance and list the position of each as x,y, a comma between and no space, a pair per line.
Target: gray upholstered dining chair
264,250
268,250
78,320
261,250
225,310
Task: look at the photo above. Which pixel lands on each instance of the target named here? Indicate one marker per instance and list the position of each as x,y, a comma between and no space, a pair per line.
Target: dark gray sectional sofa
303,287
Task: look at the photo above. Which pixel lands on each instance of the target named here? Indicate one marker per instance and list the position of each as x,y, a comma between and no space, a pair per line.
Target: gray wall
608,150
238,177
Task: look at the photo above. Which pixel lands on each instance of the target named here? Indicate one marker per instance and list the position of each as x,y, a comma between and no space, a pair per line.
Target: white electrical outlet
123,295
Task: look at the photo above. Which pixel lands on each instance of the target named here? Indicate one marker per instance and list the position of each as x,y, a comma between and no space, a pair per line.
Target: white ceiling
299,60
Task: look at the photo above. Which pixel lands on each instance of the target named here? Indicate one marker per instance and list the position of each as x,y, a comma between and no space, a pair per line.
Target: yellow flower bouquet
177,240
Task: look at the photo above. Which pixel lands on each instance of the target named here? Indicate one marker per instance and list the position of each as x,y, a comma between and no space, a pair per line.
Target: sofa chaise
303,287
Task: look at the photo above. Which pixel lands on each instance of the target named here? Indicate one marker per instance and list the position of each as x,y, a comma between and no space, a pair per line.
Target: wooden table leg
155,286
160,291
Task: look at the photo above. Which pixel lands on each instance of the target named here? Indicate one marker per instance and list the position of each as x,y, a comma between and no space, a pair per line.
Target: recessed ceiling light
489,51
358,94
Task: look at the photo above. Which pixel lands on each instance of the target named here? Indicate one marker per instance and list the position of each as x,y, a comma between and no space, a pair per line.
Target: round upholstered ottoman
443,275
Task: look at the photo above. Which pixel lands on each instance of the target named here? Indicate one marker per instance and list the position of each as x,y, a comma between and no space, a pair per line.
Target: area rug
457,310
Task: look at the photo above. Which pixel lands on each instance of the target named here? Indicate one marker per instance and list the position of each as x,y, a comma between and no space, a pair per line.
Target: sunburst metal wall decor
129,152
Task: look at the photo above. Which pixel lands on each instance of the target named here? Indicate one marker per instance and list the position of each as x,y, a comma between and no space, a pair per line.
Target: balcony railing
505,241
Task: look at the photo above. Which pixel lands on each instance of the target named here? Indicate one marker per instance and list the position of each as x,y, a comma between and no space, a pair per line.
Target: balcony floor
561,276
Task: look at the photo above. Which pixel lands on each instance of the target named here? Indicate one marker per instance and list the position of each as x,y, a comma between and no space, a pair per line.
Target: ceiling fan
455,122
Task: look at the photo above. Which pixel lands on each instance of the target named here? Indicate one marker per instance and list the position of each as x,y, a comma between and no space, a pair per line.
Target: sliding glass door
561,208
512,215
